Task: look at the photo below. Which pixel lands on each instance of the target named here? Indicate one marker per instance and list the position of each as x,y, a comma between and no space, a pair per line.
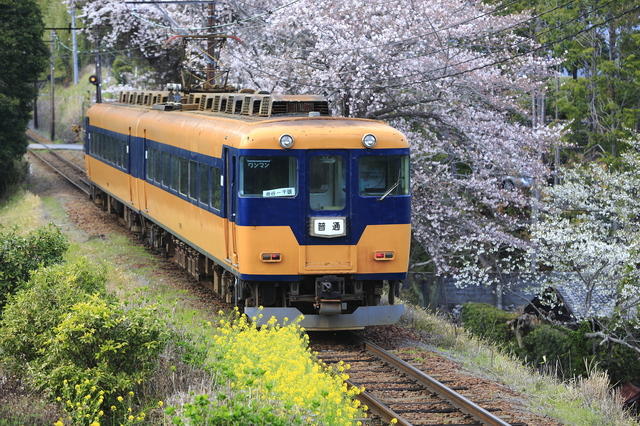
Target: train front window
379,175
327,182
268,176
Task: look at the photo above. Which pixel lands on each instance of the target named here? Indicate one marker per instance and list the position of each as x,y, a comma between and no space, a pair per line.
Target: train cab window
327,182
383,174
269,176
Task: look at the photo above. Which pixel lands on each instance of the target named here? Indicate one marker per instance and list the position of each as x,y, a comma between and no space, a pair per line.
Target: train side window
204,184
184,175
123,154
383,174
166,164
120,154
158,158
193,179
174,181
273,176
151,163
216,188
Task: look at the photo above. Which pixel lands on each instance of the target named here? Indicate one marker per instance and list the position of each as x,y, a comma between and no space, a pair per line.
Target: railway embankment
425,339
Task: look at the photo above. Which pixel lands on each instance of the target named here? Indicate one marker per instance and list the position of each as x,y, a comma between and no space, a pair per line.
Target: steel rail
460,402
379,408
78,183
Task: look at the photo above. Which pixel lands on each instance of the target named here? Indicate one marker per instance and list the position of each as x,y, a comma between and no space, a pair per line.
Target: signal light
383,255
271,257
93,80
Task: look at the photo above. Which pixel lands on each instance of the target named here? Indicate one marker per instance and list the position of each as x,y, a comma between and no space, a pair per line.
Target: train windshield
383,176
327,182
268,176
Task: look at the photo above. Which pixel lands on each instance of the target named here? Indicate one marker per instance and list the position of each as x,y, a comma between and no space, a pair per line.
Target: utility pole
74,43
98,67
211,46
53,85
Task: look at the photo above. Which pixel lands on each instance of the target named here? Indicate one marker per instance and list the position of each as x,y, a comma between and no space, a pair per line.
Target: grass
579,402
23,209
586,401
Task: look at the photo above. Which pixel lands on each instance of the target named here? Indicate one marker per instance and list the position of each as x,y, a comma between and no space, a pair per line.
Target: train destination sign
328,227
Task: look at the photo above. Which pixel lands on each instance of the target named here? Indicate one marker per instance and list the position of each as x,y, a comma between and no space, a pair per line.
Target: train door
145,170
328,209
129,165
230,162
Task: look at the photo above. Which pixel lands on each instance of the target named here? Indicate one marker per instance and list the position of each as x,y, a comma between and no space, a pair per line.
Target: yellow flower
394,421
130,393
120,399
160,403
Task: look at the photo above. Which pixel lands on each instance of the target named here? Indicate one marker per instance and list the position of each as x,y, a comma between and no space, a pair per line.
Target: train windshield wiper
393,187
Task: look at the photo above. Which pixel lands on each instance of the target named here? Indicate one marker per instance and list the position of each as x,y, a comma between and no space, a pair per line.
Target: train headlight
286,141
369,141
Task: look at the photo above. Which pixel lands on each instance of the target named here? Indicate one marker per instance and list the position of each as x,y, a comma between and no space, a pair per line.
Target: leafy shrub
31,314
20,256
486,321
102,345
548,344
239,410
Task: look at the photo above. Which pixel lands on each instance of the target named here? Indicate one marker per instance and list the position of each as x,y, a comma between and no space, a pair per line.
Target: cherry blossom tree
587,234
452,75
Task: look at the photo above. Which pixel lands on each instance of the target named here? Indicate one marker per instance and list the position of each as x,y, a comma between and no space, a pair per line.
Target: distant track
65,168
394,389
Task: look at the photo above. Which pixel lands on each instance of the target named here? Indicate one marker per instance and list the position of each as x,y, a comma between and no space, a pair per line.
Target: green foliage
487,321
550,345
239,410
104,344
79,344
30,316
20,256
21,31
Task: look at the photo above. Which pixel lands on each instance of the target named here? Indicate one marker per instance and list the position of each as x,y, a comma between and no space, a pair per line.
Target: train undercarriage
327,302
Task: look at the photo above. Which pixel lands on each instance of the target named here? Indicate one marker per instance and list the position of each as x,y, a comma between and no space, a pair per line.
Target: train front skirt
360,318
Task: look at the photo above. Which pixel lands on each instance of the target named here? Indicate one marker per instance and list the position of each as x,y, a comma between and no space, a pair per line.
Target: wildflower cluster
83,402
275,362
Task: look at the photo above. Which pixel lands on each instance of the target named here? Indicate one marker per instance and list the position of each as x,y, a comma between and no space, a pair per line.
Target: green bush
549,345
486,321
100,342
31,314
20,256
239,410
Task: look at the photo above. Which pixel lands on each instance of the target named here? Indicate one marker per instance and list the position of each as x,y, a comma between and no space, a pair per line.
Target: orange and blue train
280,208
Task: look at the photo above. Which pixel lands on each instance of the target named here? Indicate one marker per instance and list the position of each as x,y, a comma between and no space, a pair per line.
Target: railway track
394,389
65,168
